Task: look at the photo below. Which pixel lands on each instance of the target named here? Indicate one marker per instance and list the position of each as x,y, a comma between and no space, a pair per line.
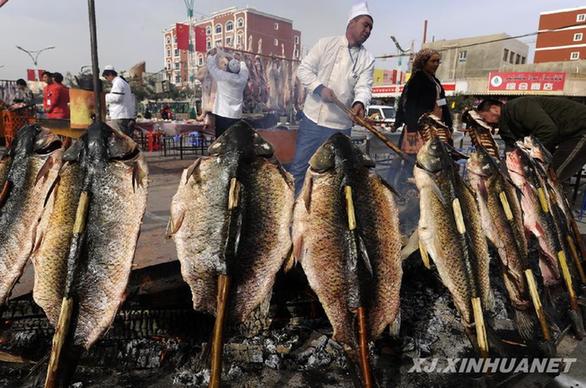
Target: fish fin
307,192
139,173
38,238
290,260
411,246
364,254
173,225
52,191
44,170
395,326
193,170
297,251
525,324
438,192
391,188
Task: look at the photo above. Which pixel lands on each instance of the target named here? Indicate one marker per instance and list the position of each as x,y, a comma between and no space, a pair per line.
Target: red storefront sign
526,81
448,87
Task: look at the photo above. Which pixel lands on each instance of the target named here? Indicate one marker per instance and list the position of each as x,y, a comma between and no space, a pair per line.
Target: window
240,23
229,41
168,52
575,55
517,59
238,39
218,43
168,40
523,59
297,39
208,44
177,64
177,79
176,51
511,57
218,28
506,55
208,30
229,25
200,60
276,26
578,37
276,42
581,17
462,56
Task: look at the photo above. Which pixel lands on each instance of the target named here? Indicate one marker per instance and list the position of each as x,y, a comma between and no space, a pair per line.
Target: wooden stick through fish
361,311
362,122
537,304
576,258
222,302
568,280
62,329
480,327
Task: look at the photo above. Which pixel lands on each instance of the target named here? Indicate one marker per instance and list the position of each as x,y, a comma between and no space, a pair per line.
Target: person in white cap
338,66
120,100
230,91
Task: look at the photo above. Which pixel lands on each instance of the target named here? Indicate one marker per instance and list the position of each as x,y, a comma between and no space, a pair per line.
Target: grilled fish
36,162
201,224
502,221
348,270
459,252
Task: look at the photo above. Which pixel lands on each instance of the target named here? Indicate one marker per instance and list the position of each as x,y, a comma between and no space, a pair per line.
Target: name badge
441,102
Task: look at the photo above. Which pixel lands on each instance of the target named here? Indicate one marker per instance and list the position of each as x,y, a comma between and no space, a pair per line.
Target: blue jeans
309,137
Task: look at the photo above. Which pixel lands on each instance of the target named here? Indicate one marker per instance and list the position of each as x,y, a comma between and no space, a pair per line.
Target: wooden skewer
364,123
62,329
506,206
222,303
458,216
480,327
568,280
576,259
361,311
537,304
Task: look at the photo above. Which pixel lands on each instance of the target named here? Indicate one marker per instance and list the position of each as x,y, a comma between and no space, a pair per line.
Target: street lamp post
34,54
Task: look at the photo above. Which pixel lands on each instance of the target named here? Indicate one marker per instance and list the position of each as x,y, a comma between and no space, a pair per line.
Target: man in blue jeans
339,66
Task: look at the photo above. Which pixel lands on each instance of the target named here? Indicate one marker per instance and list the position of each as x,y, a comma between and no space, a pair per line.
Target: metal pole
95,68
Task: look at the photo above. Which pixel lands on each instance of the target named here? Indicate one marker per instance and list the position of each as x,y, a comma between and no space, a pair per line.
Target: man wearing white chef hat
337,66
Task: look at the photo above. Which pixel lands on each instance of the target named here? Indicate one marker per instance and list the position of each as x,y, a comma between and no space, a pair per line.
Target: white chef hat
360,8
109,67
234,66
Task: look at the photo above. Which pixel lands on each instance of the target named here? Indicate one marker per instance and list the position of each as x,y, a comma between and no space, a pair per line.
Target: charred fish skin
535,218
341,278
118,193
32,175
200,218
56,231
504,228
462,259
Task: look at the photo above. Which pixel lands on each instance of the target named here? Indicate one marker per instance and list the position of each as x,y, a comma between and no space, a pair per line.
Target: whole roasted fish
36,162
450,230
535,217
54,235
502,221
252,249
349,269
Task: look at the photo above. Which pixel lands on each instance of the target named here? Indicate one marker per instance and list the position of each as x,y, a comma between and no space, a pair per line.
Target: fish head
433,155
537,150
97,151
121,147
46,142
518,162
241,141
74,152
24,141
480,163
338,152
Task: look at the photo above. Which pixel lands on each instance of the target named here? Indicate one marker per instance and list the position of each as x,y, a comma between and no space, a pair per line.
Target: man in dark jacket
558,123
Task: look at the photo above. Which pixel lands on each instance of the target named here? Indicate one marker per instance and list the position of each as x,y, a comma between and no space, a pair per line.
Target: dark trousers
569,157
223,123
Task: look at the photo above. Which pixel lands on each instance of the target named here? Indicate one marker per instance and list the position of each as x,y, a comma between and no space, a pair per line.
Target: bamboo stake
480,327
506,206
62,329
222,302
460,225
576,259
363,345
543,200
361,311
537,304
362,122
568,280
218,340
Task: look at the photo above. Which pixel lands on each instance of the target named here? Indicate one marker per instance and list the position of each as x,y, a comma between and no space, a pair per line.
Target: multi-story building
476,56
568,40
244,29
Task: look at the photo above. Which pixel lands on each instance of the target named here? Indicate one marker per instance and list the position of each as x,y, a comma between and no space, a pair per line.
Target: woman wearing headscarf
423,93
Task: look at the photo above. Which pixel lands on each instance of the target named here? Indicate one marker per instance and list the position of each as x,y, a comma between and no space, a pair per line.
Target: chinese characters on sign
526,81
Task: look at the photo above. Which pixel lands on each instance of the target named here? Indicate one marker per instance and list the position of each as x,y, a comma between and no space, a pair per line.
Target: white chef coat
347,71
230,90
120,100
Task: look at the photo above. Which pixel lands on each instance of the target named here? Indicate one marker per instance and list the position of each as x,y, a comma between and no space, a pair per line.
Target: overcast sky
130,31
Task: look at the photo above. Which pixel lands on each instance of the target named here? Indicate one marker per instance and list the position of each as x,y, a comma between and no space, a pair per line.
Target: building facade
243,29
474,56
567,42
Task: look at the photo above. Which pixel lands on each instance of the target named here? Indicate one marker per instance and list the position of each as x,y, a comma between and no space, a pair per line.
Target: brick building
240,28
568,42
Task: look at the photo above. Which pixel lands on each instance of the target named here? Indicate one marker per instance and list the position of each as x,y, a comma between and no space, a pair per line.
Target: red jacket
56,100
